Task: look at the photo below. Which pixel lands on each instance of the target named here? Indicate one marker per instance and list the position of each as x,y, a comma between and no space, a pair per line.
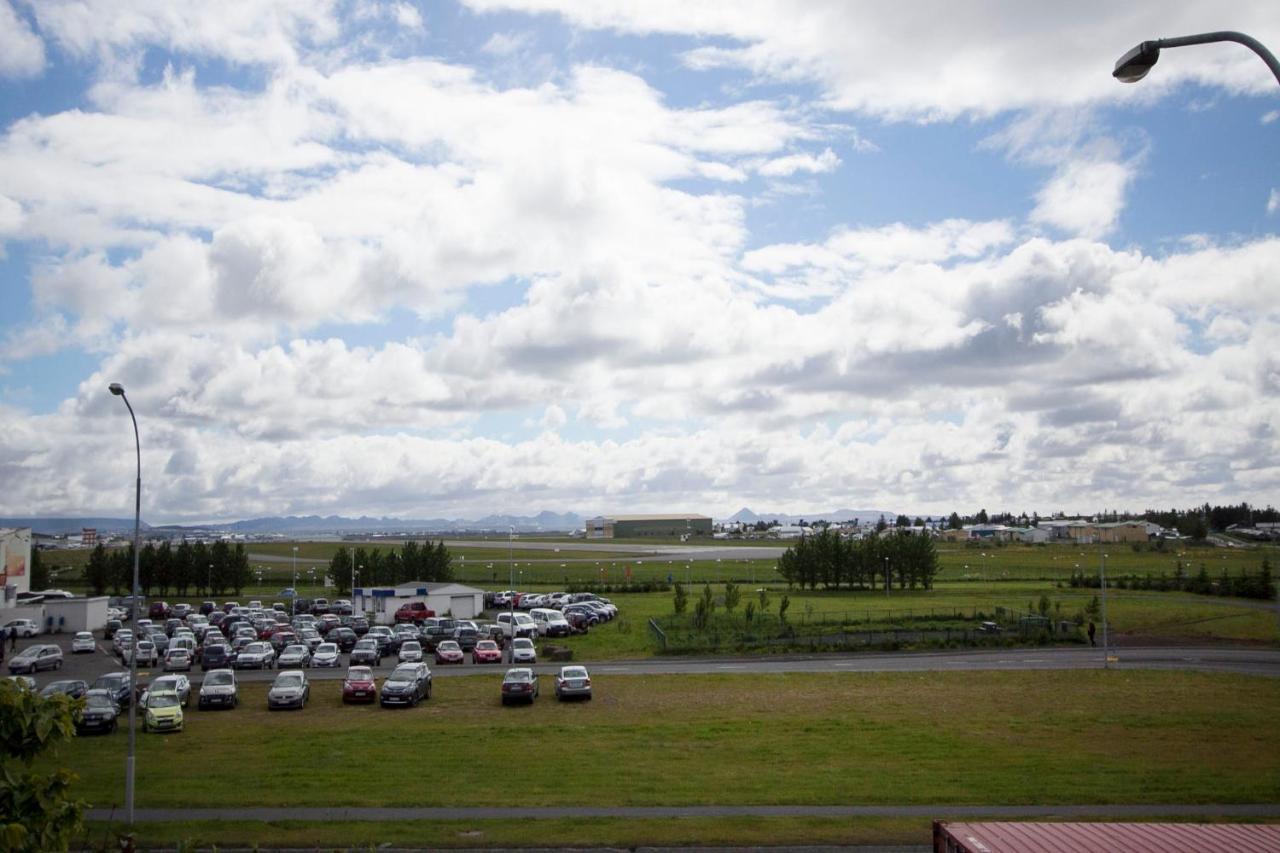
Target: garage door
463,606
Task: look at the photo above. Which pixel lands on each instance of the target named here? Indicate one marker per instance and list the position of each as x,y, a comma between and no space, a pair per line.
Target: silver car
296,655
35,658
326,655
573,682
522,651
411,652
290,690
83,643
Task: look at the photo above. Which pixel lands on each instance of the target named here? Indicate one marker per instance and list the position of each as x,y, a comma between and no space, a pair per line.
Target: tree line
1243,585
191,568
828,559
427,562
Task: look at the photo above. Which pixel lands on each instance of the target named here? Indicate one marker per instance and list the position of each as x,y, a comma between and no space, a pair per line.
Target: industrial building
456,600
629,526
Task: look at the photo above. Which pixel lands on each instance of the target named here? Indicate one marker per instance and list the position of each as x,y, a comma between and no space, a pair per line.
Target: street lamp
511,599
1106,654
295,574
1135,64
118,389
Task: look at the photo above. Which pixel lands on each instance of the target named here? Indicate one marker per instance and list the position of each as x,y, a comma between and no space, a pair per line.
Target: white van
524,627
551,623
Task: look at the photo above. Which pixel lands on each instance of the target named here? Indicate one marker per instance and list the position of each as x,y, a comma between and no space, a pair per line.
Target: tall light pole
295,573
1135,64
118,389
511,599
1102,570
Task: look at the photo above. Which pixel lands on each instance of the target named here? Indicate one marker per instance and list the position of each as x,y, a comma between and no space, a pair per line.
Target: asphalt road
1241,660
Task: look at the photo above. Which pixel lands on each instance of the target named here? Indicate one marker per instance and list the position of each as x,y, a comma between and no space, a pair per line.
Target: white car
179,685
22,627
146,652
83,642
411,652
522,651
326,655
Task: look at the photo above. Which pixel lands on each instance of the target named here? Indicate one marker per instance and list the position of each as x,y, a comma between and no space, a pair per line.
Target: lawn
1053,737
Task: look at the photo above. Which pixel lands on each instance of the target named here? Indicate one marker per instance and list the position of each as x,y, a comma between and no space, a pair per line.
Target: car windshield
162,700
289,680
111,682
449,646
518,675
359,673
327,649
411,646
402,675
99,702
367,644
486,645
523,643
294,650
219,679
576,672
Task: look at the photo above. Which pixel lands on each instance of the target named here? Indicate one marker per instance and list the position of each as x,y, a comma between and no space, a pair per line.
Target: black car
467,637
207,607
215,657
301,605
117,683
366,652
344,637
408,684
359,624
98,715
433,635
113,625
74,689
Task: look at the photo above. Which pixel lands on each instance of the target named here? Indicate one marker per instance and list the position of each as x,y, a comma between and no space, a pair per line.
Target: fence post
662,637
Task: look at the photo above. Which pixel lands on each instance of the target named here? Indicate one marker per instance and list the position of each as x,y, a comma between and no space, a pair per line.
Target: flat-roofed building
629,526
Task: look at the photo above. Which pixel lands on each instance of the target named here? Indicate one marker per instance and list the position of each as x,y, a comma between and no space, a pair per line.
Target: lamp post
511,599
1135,64
886,577
295,573
1102,563
129,763
209,580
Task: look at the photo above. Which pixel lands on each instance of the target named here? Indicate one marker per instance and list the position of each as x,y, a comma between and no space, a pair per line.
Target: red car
486,651
359,686
415,612
448,652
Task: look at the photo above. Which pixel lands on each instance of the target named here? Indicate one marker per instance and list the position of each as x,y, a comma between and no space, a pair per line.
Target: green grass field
1053,737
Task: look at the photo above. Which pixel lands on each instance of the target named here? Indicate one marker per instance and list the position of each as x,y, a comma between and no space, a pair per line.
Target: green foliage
36,812
750,611
681,601
1093,609
828,559
732,595
763,597
782,608
39,574
429,562
97,571
1043,605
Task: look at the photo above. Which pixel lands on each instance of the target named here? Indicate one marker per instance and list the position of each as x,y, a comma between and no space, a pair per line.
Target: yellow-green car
163,712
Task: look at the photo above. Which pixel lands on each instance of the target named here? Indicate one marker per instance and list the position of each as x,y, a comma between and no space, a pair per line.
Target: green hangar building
631,526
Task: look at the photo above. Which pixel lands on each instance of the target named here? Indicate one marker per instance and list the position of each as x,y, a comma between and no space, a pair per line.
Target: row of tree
428,562
191,568
828,559
1244,585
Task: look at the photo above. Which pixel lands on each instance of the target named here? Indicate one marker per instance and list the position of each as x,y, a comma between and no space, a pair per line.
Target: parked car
310,637
387,642
320,605
256,655
32,659
522,651
98,714
486,651
325,623
178,684
290,690
163,712
414,611
410,652
466,636
74,689
217,656
550,623
358,686
366,651
115,683
434,635
22,627
326,655
448,651
178,660
578,621
83,643
294,657
341,606
408,684
218,690
573,682
158,610
207,607
344,637
112,626
519,685
524,626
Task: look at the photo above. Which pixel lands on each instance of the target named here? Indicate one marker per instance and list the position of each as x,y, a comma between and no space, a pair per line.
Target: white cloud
505,44
1270,116
1273,201
781,167
927,61
1084,197
21,50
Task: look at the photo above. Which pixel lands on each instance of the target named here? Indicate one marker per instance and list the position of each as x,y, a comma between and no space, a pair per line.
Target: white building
460,602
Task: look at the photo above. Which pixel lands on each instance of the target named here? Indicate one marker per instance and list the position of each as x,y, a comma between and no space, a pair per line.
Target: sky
600,256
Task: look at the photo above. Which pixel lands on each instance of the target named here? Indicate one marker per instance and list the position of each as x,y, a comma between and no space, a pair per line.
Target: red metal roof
1005,837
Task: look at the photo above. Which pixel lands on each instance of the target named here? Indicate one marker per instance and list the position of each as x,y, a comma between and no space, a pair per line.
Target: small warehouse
63,615
460,602
631,526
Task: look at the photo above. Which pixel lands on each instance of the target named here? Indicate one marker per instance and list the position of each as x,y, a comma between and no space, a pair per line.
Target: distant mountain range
543,522
861,516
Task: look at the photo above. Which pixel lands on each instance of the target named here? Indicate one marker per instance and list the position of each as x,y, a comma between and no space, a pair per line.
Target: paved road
940,812
1247,661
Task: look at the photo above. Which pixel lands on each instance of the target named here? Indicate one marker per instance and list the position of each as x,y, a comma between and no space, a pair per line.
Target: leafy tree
681,601
708,599
339,570
39,574
763,597
954,522
981,517
881,525
782,608
36,811
750,611
732,595
97,571
902,521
